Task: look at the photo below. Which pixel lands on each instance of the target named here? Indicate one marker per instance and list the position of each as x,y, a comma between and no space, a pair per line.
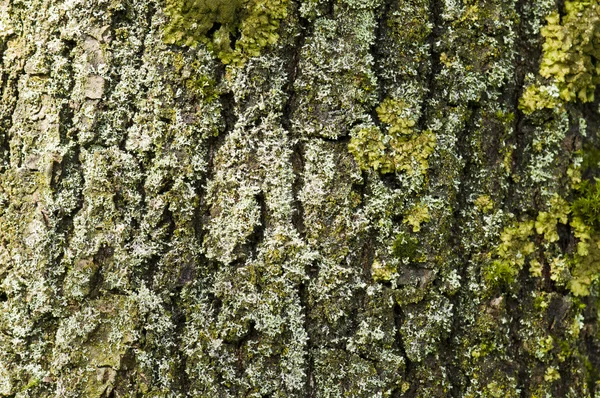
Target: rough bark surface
302,198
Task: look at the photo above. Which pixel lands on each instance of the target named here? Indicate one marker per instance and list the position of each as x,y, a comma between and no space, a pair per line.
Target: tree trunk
299,198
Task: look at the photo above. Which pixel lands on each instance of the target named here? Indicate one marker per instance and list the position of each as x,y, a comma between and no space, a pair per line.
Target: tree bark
302,198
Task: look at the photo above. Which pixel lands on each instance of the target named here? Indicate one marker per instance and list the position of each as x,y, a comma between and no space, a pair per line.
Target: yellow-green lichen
585,265
233,29
514,248
484,203
382,272
570,56
536,97
400,148
551,374
578,270
572,48
418,215
545,224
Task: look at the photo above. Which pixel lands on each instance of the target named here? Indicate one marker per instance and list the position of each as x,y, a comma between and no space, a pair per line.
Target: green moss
32,383
218,24
589,159
587,205
406,248
401,148
585,263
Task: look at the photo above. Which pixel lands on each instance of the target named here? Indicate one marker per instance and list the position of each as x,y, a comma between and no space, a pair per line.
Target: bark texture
299,198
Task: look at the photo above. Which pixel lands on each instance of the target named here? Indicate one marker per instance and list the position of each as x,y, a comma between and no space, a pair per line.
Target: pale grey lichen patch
259,256
340,373
249,163
105,331
536,13
335,227
425,326
235,211
336,85
546,146
331,205
97,190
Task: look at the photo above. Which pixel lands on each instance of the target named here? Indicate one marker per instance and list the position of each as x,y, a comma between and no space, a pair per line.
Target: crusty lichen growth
172,227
